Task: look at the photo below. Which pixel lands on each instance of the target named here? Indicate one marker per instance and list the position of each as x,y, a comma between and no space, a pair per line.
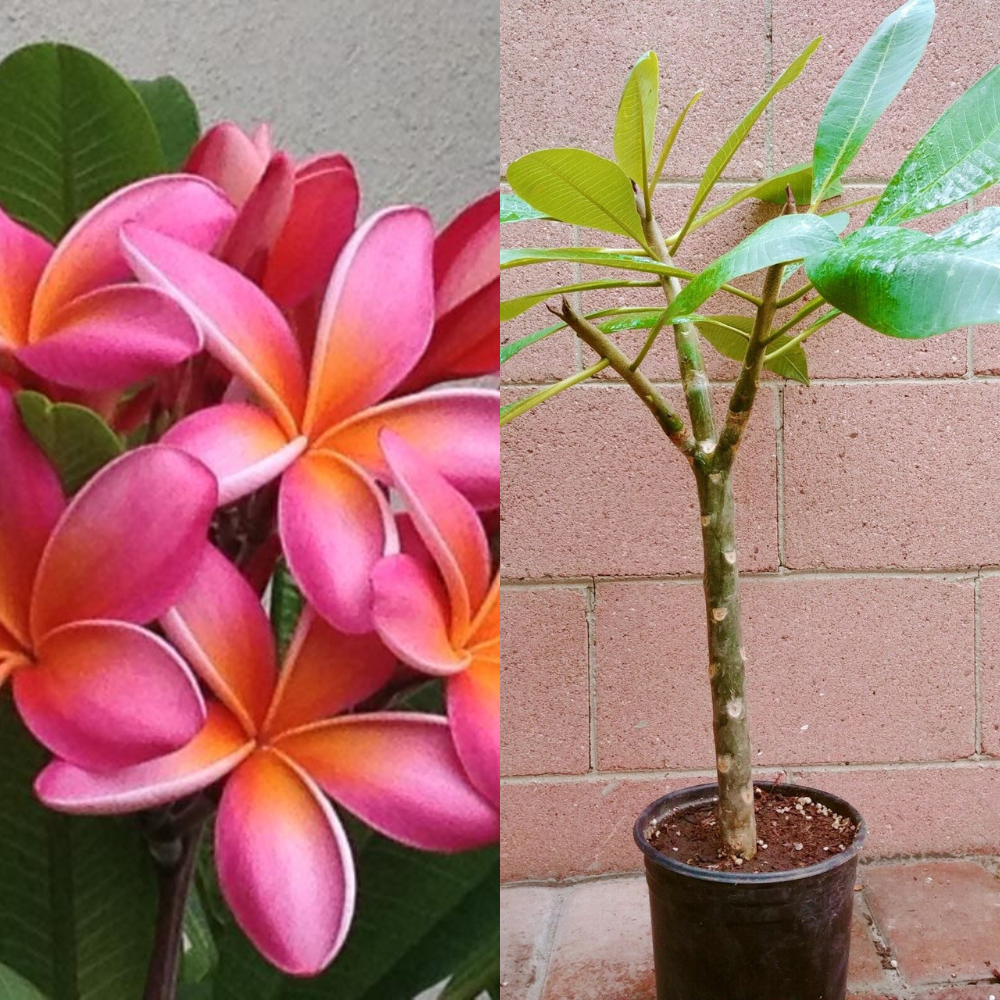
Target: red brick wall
869,503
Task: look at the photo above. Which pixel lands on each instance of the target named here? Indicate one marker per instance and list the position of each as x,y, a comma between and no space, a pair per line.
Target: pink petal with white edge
242,327
474,712
410,613
241,444
377,316
399,773
31,505
229,158
335,525
128,544
284,865
23,256
219,748
90,256
112,338
456,430
467,253
323,215
449,527
106,695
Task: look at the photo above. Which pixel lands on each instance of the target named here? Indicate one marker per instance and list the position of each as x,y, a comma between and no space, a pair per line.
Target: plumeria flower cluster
277,368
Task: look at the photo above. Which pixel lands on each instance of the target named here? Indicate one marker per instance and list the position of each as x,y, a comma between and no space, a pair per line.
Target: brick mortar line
959,378
978,659
768,80
779,452
544,958
591,620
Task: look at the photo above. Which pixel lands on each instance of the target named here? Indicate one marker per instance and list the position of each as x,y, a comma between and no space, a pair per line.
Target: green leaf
908,284
175,115
721,159
78,897
632,318
514,209
578,187
636,120
76,440
15,987
730,335
510,308
478,974
588,255
787,238
957,158
867,88
200,952
71,132
287,603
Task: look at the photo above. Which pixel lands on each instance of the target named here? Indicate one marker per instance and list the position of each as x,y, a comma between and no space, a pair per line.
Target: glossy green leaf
200,954
588,255
957,158
787,238
578,187
15,987
514,209
78,897
908,284
175,115
868,86
510,308
71,132
730,335
76,440
636,120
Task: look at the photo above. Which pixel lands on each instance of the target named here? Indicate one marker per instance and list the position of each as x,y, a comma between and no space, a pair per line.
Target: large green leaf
588,255
15,987
787,238
71,131
636,121
867,88
730,335
514,209
76,440
578,187
908,284
174,114
957,158
510,308
77,896
200,955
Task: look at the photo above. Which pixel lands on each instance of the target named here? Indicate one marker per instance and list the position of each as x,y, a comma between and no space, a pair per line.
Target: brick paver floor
922,929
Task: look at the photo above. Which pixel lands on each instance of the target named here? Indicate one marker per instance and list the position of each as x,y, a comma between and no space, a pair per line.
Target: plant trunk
726,663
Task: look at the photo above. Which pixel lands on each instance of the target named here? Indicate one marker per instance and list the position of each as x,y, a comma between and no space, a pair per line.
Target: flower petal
449,527
31,505
377,316
90,256
399,773
241,444
410,613
467,253
327,672
23,256
112,338
335,524
242,327
229,158
106,695
474,712
220,627
284,865
221,745
323,214
458,430
129,542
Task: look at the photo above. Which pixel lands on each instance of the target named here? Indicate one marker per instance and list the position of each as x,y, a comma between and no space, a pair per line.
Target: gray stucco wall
408,88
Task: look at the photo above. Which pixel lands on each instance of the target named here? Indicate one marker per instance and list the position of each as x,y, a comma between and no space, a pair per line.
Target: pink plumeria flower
466,339
78,579
74,315
436,607
319,432
283,858
294,219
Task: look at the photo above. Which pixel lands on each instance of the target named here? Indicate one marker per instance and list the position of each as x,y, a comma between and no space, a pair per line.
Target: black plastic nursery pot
750,936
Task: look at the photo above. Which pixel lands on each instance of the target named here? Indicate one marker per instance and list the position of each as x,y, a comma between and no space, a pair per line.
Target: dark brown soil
792,833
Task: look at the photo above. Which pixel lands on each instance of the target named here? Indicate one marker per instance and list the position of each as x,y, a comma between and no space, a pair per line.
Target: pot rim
698,794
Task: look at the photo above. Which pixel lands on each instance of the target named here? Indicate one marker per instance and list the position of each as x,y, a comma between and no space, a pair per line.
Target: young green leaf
636,121
958,157
867,88
578,187
175,115
588,255
521,406
730,335
626,318
787,238
908,284
668,143
514,209
71,132
510,308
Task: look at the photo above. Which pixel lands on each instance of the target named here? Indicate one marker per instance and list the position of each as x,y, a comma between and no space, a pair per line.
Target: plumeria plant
249,642
898,281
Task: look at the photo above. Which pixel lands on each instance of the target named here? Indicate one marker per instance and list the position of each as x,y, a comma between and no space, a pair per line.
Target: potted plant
751,884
